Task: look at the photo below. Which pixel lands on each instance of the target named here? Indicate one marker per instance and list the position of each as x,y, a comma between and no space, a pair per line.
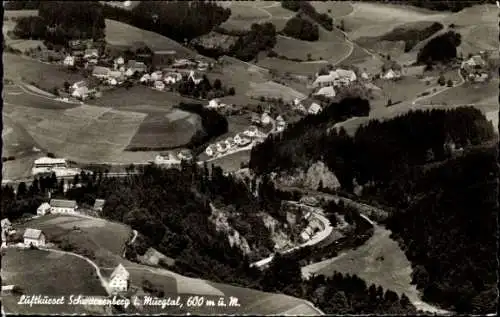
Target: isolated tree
442,80
449,83
217,84
231,91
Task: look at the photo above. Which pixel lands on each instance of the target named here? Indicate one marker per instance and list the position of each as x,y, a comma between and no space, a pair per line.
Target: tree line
307,8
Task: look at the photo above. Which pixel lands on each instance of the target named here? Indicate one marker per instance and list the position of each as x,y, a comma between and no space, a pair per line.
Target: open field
122,35
297,49
159,131
141,99
41,272
272,89
379,261
468,93
44,75
16,140
98,233
375,19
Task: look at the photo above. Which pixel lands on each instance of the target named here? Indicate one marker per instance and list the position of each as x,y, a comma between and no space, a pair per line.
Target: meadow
42,272
158,131
46,76
121,35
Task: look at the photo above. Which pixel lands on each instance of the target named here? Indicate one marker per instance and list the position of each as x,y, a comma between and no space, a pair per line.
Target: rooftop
49,160
62,203
32,233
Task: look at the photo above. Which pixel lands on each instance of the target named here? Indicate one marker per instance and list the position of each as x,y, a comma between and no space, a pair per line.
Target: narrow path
103,280
462,81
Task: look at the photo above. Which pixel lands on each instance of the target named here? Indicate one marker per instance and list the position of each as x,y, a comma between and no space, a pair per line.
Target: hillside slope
102,241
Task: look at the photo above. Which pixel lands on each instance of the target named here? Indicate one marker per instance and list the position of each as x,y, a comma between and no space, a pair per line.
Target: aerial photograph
295,158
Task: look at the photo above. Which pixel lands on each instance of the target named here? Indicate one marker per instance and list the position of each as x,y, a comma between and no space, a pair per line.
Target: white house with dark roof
119,280
69,60
210,150
314,108
43,209
34,237
63,206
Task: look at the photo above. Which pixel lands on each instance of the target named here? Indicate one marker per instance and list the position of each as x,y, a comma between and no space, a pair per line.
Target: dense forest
411,36
442,5
302,29
442,48
424,164
305,7
449,232
60,21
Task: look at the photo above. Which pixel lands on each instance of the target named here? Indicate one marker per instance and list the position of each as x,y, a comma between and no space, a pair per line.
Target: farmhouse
99,204
101,72
221,147
265,119
202,66
34,237
163,58
136,66
215,104
119,280
183,63
91,53
145,78
328,91
79,84
81,93
391,74
210,150
63,206
172,78
335,78
43,209
326,80
119,61
255,118
196,78
156,75
365,75
314,108
69,60
159,85
345,77
185,155
251,132
475,61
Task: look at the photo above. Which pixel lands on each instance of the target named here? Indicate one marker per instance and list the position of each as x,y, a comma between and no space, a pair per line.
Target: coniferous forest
437,172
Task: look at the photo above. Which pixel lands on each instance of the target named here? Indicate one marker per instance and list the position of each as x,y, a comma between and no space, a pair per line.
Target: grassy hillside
42,272
122,34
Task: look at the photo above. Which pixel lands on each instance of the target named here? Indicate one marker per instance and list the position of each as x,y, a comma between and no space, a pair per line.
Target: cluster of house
63,206
314,225
160,79
475,68
325,84
306,107
171,160
238,140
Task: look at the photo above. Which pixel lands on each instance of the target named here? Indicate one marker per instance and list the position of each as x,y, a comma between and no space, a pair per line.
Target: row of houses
63,206
475,69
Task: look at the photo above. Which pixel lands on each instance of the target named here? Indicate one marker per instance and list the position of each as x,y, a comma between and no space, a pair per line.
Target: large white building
335,78
63,206
43,209
59,166
34,237
119,280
